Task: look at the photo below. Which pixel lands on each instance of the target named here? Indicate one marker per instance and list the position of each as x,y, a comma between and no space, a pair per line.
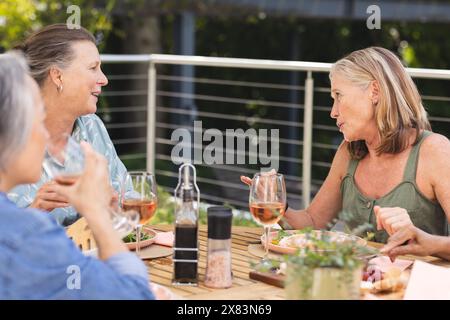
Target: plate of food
148,236
289,241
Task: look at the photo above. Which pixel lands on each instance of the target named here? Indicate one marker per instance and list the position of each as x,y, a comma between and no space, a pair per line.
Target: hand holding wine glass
65,159
68,163
91,191
64,162
267,202
91,196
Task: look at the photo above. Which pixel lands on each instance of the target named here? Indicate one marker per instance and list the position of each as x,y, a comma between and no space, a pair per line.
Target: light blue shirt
92,130
39,261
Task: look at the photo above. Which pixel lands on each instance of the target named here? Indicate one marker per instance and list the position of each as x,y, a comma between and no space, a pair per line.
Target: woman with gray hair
390,171
66,65
37,259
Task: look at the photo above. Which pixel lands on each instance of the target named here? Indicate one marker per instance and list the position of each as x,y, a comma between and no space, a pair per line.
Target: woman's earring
60,87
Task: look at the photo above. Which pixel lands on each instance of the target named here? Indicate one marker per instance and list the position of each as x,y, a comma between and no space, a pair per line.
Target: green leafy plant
322,252
165,212
332,268
19,18
132,237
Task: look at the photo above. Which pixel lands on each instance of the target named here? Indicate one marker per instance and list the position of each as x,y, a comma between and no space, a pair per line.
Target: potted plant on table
325,269
328,265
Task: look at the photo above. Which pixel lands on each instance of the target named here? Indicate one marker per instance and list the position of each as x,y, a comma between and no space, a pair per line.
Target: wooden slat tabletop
160,270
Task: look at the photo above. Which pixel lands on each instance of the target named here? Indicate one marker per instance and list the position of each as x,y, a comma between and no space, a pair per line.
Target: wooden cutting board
269,278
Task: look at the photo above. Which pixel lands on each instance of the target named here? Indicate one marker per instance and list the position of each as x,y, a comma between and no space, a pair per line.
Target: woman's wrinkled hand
248,181
409,240
266,186
392,219
47,199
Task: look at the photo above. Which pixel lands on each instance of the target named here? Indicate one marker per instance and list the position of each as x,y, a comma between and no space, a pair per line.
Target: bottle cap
219,222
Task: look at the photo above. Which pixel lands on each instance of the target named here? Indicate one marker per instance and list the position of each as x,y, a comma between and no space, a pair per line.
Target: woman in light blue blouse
66,65
37,260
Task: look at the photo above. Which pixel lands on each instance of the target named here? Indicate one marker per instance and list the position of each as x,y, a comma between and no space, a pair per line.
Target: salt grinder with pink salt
218,267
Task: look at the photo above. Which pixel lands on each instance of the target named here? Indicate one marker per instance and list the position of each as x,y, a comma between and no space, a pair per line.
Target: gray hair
52,46
16,106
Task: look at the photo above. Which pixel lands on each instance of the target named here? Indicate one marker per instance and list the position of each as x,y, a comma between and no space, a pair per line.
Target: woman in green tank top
390,172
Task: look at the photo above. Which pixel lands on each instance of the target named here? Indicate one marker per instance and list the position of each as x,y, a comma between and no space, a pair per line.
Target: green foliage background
19,18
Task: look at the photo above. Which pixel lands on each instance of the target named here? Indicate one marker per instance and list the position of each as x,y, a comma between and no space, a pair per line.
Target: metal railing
308,107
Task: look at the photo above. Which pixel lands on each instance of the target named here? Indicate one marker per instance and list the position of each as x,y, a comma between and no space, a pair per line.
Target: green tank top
358,209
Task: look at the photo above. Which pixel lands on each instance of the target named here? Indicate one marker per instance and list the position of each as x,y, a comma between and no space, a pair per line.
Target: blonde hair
399,106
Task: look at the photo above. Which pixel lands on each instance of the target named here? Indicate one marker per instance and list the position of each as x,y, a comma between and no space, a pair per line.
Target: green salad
132,237
281,234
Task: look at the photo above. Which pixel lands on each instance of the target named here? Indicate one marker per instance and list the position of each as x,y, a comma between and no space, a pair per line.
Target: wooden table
160,270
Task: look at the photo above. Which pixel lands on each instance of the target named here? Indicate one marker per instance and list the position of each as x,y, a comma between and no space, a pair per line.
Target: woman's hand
114,202
392,219
418,243
267,186
47,199
248,181
163,293
91,194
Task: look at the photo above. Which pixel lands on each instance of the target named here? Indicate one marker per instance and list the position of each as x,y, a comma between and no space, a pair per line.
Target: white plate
291,250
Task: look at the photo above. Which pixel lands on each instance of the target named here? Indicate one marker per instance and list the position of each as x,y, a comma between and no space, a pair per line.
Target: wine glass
267,202
124,222
65,159
65,162
139,194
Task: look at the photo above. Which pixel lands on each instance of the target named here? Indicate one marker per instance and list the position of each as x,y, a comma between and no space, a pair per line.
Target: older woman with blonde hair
390,171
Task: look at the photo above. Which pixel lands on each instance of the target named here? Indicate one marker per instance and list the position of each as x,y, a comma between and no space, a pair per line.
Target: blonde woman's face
352,109
83,79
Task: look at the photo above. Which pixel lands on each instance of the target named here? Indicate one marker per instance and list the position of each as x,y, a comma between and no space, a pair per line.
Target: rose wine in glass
267,202
267,213
146,208
139,194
